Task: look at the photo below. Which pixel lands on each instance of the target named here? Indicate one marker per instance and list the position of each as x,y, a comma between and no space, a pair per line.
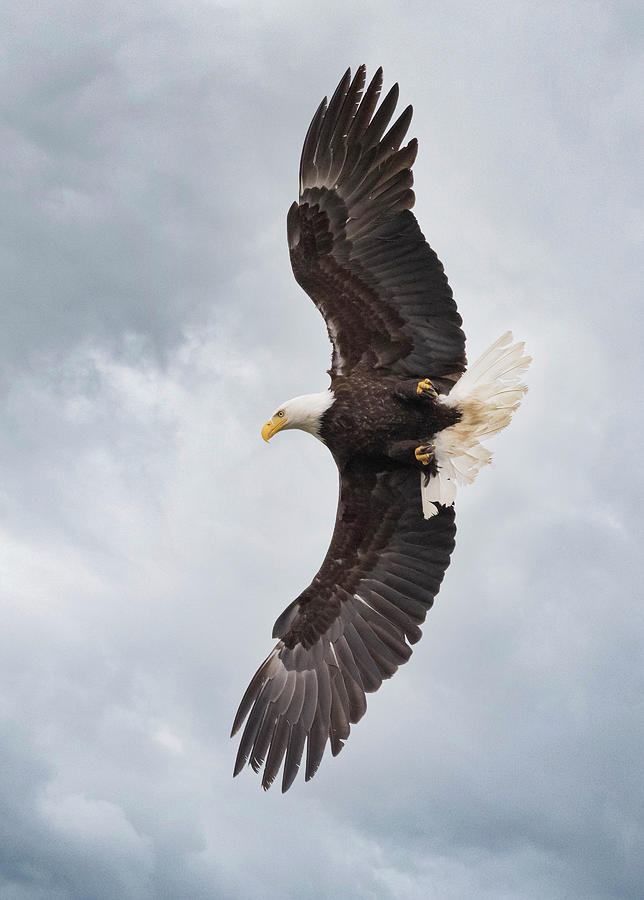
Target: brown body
379,417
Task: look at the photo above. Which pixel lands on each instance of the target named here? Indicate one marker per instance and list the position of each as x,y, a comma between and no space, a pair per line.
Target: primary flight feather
403,419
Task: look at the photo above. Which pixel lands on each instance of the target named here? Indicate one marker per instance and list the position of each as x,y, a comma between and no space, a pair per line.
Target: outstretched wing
356,248
353,625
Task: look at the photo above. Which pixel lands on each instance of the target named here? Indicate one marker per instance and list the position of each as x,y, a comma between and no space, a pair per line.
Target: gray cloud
148,539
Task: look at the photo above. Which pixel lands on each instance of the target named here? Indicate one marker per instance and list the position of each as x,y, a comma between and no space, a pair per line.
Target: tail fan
486,395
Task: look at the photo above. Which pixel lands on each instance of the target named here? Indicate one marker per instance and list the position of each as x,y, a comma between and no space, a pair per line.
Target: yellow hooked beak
273,426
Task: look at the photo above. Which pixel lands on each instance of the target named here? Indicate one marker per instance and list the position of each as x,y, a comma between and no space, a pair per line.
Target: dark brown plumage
334,648
358,252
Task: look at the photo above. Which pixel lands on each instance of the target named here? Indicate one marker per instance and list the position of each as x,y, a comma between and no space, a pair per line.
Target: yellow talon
424,454
426,387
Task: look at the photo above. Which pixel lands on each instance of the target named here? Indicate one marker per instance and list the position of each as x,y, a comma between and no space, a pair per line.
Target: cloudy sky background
148,537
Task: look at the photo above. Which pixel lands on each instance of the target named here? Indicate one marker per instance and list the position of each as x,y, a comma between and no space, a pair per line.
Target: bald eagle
403,419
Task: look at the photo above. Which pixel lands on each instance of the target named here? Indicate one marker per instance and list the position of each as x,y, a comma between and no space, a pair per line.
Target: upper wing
356,248
351,627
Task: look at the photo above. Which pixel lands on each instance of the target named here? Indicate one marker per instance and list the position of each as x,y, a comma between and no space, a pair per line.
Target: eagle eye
280,413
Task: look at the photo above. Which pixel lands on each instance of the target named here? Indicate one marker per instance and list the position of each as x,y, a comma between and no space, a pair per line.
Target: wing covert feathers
350,629
357,249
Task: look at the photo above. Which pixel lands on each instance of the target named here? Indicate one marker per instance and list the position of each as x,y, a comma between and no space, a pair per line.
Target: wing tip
238,721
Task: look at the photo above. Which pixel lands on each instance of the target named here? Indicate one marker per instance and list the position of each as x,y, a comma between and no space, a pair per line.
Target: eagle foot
425,453
426,389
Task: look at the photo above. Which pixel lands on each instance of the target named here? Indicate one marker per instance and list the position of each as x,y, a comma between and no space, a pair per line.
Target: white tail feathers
486,394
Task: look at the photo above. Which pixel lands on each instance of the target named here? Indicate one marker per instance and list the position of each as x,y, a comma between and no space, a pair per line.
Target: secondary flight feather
403,419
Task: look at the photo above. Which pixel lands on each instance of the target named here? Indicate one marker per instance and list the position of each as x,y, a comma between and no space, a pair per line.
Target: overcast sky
149,538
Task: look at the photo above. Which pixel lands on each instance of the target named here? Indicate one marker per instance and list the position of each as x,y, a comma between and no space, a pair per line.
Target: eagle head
303,412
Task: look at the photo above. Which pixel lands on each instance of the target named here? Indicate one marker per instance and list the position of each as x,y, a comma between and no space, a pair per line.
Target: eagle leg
410,453
426,389
411,390
425,454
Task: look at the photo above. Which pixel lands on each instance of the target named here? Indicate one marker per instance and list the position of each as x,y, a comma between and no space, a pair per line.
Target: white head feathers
306,412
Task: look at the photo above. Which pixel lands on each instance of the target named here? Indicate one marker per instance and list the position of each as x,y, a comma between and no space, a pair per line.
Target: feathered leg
412,389
421,456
